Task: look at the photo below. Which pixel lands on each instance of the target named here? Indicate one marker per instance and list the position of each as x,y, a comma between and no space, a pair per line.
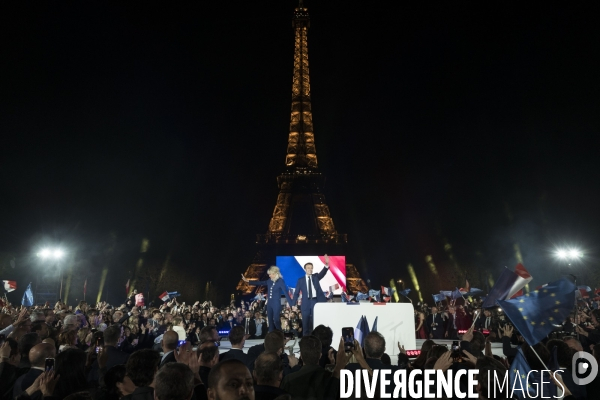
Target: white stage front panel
395,321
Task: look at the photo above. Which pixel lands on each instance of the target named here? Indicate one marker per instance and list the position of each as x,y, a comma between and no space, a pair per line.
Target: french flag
386,291
164,296
524,277
10,286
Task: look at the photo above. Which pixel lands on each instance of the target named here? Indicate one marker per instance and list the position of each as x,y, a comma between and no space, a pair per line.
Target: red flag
84,286
127,288
9,286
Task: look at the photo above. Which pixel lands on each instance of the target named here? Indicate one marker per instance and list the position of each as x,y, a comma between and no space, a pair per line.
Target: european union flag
446,293
438,298
474,292
361,296
524,385
405,292
174,294
27,300
456,294
534,313
374,294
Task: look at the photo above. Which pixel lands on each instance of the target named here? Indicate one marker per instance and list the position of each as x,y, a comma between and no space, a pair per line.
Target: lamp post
55,254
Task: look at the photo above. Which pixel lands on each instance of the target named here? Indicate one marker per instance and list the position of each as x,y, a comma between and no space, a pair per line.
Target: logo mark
583,364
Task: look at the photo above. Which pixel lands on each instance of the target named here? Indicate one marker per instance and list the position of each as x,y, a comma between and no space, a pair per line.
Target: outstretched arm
324,271
283,288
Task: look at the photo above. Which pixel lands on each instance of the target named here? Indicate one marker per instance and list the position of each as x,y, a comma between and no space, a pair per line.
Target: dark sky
474,127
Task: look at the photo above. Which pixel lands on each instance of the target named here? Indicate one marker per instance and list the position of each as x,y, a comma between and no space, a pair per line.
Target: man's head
310,350
248,314
41,328
324,334
268,369
374,345
209,354
39,353
487,313
434,310
209,334
308,267
230,380
37,315
141,366
174,381
274,342
451,310
236,336
26,343
70,323
257,315
574,344
112,335
169,341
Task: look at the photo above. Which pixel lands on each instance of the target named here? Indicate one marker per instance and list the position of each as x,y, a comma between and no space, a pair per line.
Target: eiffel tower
301,223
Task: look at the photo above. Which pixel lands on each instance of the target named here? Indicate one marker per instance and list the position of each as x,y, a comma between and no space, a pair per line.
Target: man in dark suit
451,327
169,345
258,327
434,324
115,356
268,373
237,340
312,294
486,321
37,357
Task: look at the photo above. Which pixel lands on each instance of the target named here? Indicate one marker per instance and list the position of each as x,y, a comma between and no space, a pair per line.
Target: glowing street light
47,253
571,254
54,254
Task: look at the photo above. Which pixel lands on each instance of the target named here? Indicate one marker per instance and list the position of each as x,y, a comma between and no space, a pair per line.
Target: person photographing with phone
275,286
312,294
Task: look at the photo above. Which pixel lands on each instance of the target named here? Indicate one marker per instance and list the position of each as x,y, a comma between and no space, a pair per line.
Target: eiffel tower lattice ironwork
301,223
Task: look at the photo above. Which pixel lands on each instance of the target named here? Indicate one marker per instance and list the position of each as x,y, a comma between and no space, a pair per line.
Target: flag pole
539,358
475,319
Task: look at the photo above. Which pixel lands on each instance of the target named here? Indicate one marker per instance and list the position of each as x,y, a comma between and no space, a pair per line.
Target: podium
395,321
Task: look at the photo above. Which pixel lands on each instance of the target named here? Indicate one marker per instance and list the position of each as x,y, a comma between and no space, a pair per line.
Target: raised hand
326,260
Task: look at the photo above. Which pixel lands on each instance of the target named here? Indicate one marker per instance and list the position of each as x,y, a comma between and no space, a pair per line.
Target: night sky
475,128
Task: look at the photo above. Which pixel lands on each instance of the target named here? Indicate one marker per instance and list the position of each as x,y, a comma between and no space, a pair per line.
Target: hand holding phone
348,335
49,365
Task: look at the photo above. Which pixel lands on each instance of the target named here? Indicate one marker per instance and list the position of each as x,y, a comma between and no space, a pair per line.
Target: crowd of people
171,351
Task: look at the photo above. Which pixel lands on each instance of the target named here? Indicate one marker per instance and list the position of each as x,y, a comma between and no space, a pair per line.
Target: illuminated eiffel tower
301,223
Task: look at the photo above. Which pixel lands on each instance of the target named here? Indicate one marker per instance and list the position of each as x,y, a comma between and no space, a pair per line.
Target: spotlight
58,253
45,253
561,254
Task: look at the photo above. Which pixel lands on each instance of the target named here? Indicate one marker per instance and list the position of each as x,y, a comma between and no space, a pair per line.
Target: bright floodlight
45,253
561,254
58,253
573,253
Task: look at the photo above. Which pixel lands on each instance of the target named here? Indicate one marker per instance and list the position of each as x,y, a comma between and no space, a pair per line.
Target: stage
225,346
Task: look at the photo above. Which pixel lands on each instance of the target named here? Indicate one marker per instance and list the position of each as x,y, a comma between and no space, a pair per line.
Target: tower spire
301,152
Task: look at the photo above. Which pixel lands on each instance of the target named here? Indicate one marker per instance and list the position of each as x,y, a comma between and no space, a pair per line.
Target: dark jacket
311,382
140,393
301,287
115,357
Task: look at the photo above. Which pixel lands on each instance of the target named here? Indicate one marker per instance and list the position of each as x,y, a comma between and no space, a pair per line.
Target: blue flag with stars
524,385
535,313
438,297
27,300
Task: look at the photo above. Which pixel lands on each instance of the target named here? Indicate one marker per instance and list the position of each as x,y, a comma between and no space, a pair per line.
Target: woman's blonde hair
275,270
